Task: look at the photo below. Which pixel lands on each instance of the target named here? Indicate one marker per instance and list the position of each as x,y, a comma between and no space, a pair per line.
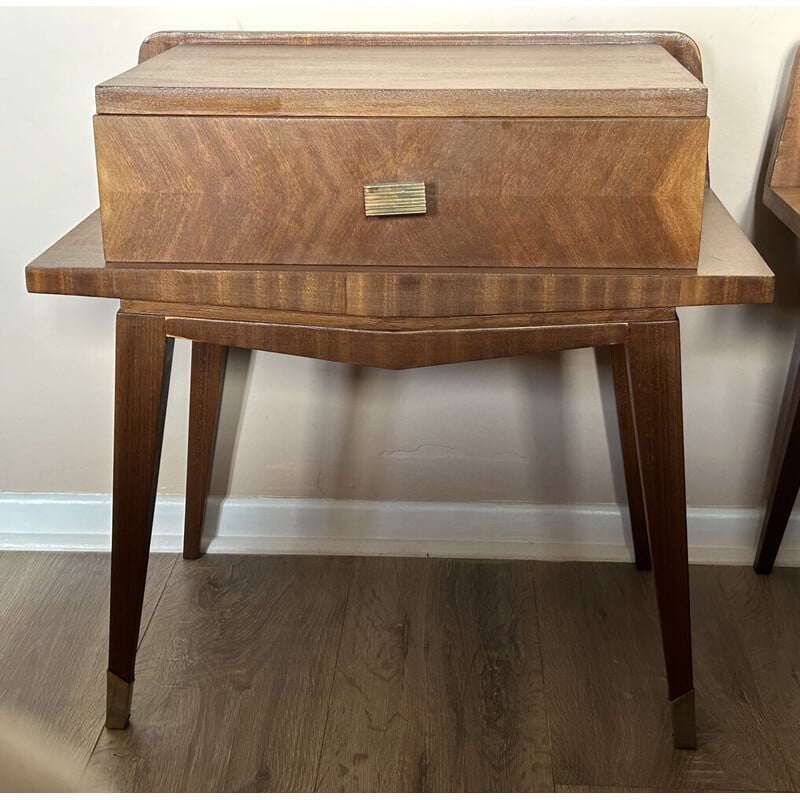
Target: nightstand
544,230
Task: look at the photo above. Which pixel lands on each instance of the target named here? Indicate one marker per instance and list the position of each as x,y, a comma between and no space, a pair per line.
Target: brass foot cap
684,733
118,701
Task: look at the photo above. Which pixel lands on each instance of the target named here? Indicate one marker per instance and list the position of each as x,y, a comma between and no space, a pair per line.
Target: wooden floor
302,673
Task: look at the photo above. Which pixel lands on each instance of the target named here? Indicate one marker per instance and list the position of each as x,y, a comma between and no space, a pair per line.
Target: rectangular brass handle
383,199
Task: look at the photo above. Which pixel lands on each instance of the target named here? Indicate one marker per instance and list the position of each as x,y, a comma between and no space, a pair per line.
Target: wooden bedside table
404,315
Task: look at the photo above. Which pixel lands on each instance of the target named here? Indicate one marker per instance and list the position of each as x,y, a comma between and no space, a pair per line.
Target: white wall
523,430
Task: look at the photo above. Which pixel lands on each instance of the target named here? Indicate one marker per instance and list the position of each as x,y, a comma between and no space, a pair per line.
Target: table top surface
730,271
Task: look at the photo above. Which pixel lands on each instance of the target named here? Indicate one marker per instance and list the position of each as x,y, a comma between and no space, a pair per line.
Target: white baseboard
357,527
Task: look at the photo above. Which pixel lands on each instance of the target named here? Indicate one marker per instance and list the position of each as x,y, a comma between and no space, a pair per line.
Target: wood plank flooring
377,674
233,679
438,671
53,640
607,690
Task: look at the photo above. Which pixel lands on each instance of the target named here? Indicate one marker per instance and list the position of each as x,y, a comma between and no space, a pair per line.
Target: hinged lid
609,80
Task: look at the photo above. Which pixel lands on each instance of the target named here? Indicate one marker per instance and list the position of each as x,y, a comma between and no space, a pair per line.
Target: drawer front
575,192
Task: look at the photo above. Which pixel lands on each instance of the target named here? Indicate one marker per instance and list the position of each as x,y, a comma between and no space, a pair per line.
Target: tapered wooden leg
654,371
208,373
144,357
783,492
630,457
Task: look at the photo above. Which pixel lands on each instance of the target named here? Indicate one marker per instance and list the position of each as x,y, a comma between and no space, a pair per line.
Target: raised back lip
679,45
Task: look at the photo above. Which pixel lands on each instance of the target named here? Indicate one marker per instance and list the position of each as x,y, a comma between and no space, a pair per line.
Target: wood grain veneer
480,321
729,270
208,374
630,457
654,374
680,46
462,81
784,202
782,182
142,383
783,169
396,349
594,156
525,193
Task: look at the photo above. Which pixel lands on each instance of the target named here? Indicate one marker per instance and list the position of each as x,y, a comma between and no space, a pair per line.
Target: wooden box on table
537,155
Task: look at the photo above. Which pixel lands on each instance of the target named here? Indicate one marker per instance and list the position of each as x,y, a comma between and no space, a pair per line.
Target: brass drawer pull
382,199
